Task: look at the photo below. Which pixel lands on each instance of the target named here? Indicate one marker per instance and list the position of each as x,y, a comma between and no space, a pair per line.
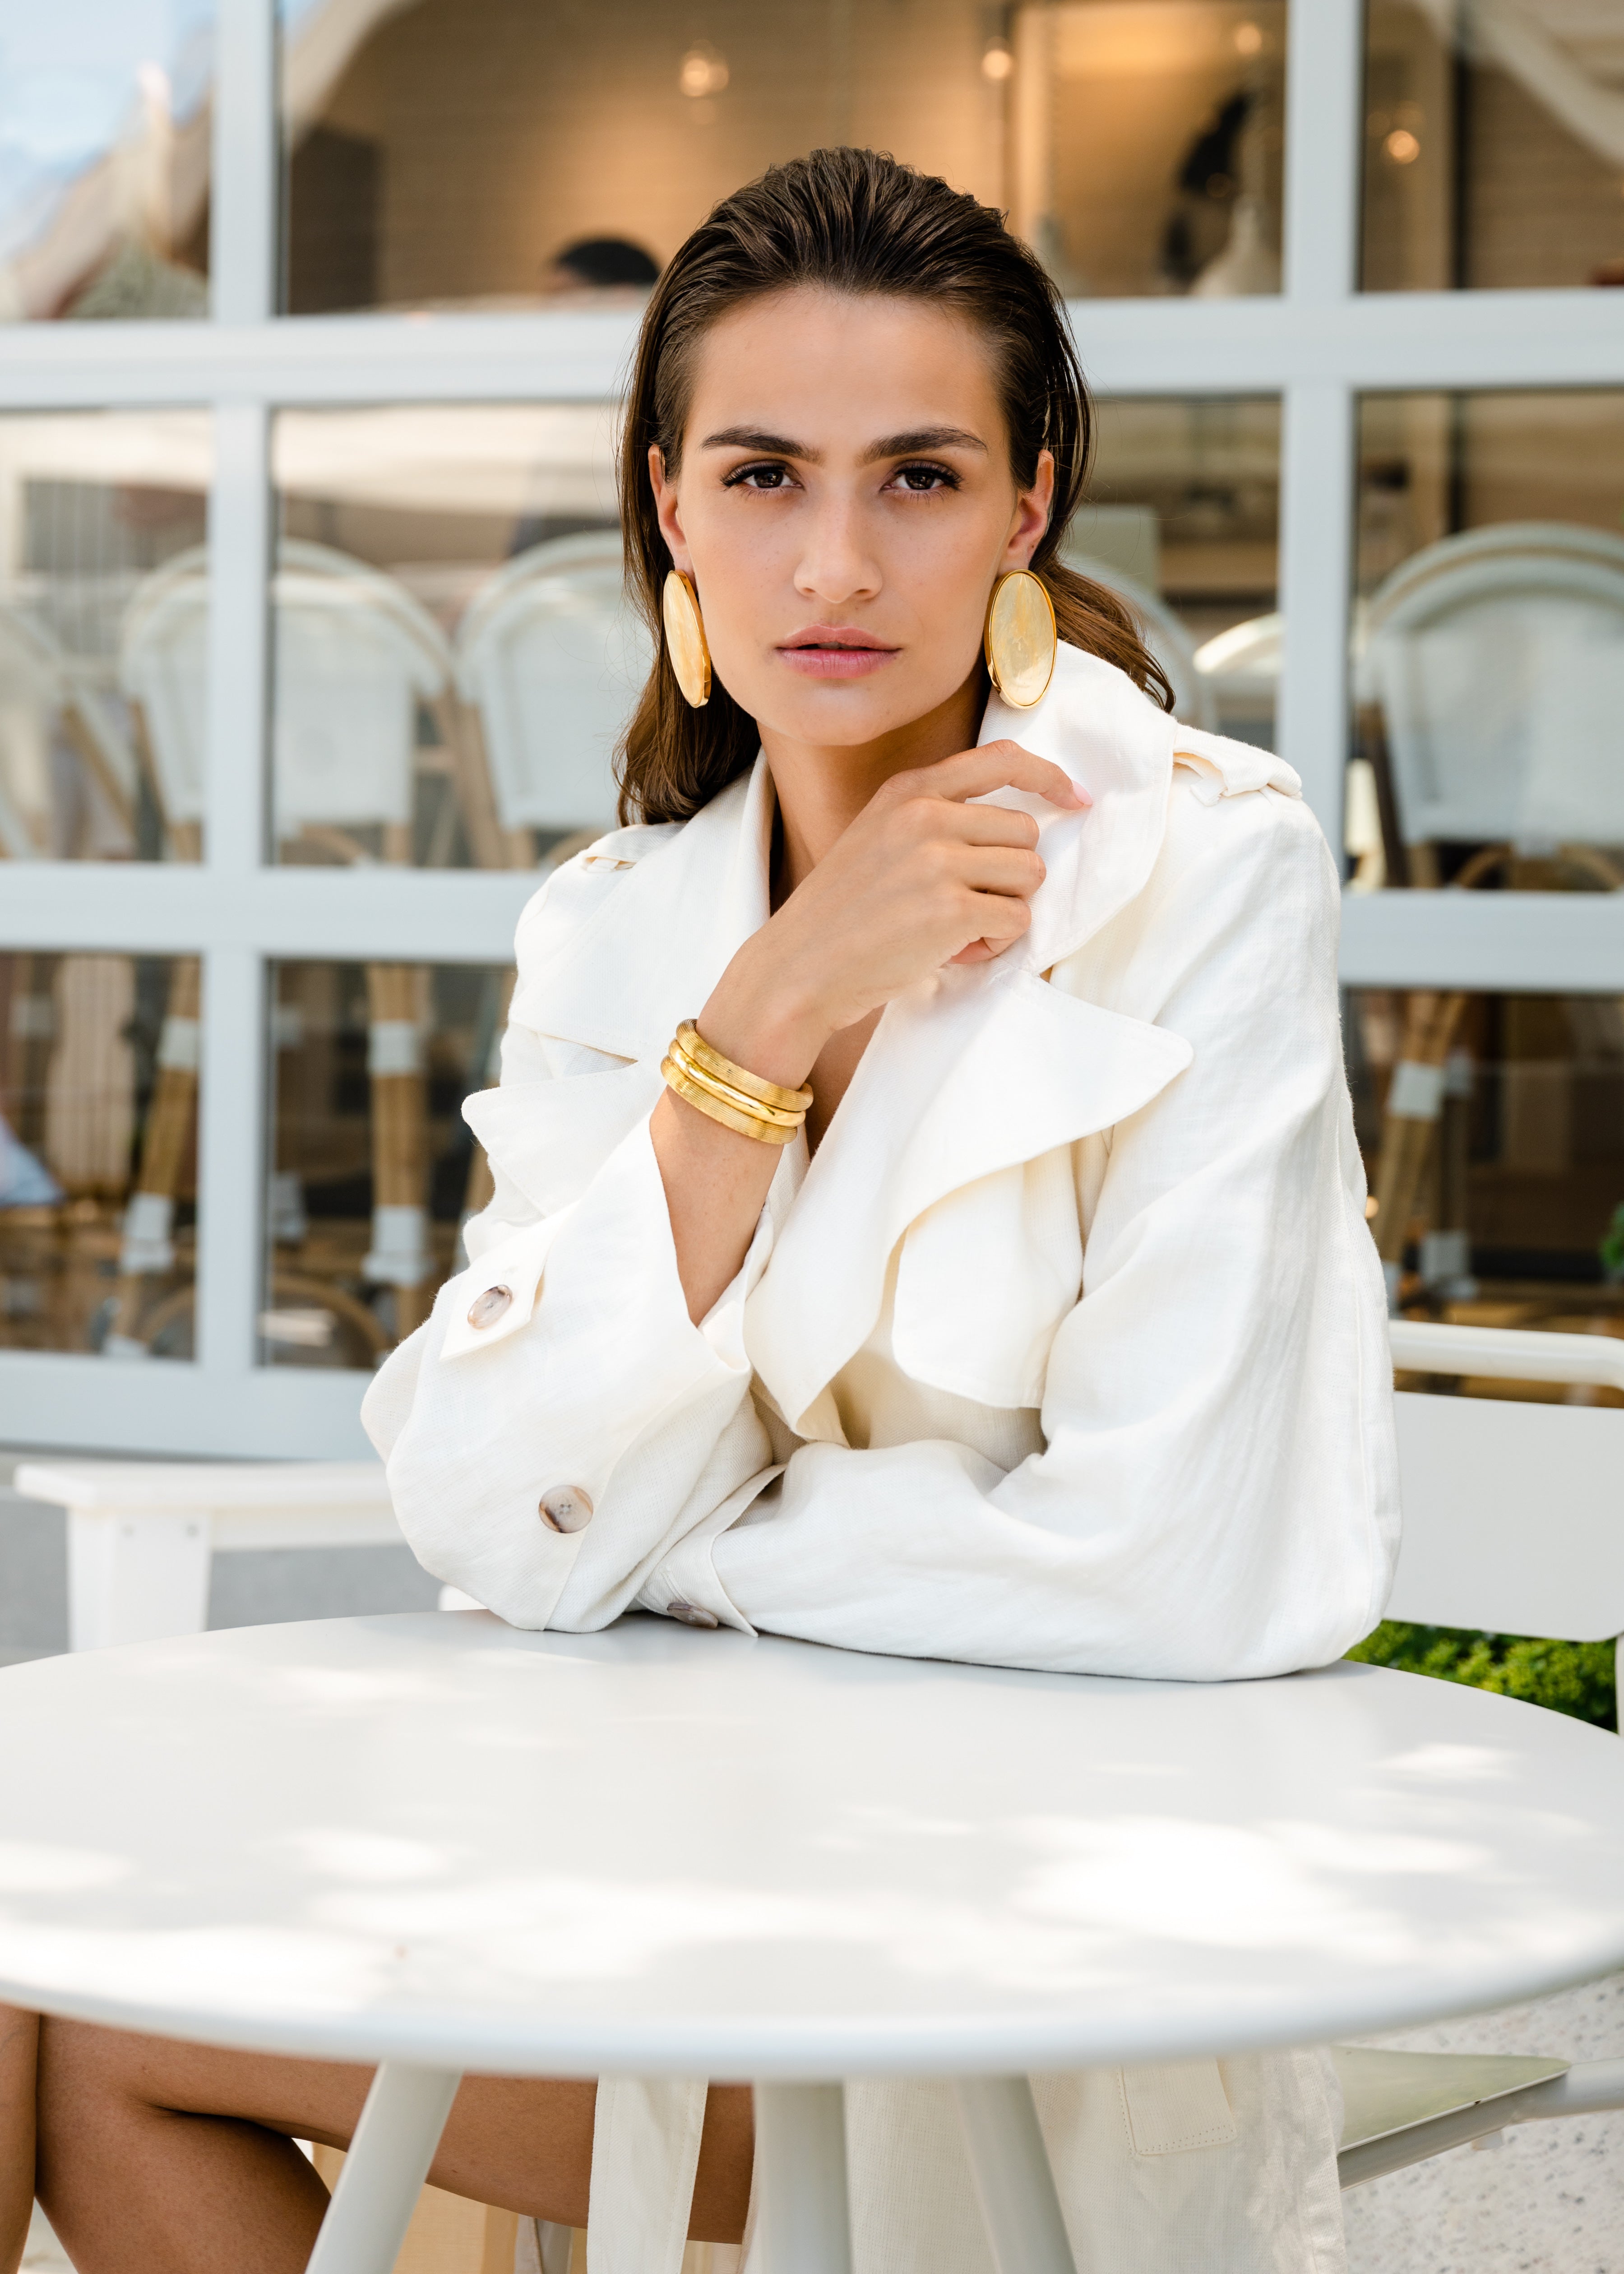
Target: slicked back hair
856,222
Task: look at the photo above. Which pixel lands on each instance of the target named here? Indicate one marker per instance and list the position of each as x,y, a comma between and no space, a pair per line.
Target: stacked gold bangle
731,1094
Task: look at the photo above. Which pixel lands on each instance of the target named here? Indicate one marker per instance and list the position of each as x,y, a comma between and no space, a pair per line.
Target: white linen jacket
1108,1181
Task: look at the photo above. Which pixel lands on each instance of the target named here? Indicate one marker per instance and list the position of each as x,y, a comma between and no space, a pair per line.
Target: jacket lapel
986,1067
663,938
962,1078
983,1068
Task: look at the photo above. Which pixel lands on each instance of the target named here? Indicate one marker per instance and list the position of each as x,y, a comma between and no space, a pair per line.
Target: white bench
141,1535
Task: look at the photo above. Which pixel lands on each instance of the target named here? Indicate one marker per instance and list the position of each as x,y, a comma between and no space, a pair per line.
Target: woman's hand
921,878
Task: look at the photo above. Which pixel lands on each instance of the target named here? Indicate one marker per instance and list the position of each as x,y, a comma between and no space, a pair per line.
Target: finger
1001,766
1005,922
1005,869
981,825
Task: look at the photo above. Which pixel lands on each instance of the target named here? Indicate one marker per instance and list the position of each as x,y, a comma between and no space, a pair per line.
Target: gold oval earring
1020,638
685,640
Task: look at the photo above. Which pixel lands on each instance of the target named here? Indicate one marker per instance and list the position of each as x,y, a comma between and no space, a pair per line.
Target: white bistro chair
551,658
1514,1524
355,656
46,692
1497,660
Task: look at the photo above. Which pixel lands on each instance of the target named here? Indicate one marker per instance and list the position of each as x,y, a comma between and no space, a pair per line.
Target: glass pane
1492,1131
1489,642
373,1167
1494,144
104,158
1182,519
103,632
1148,143
455,656
495,151
98,1153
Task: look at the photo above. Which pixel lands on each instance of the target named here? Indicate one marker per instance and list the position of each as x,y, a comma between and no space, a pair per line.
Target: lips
835,651
835,636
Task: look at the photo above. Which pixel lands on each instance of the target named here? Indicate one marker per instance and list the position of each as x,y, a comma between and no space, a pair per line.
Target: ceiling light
1402,147
1249,39
702,71
997,62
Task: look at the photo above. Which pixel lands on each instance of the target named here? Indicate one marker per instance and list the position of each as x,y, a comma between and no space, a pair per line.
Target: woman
928,1217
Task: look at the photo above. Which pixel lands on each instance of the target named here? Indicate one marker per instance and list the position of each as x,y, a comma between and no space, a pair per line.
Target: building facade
310,647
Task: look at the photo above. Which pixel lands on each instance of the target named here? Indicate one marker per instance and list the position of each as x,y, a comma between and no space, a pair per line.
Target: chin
845,718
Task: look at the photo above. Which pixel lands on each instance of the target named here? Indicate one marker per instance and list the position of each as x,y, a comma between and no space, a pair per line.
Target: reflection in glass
104,159
455,655
374,1169
1493,1130
1182,520
98,1153
100,512
496,153
1148,141
1489,642
1494,144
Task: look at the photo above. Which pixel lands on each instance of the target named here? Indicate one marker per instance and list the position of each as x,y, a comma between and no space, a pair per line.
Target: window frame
1318,345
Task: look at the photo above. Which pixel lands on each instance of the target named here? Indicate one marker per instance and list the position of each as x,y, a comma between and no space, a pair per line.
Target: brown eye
919,481
758,477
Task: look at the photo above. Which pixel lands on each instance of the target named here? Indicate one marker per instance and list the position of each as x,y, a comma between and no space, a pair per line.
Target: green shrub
1570,1677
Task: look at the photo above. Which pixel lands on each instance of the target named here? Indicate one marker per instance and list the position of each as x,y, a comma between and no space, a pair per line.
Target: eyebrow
891,446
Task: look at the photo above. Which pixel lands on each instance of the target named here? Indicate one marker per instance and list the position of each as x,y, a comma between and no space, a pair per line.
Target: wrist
777,1032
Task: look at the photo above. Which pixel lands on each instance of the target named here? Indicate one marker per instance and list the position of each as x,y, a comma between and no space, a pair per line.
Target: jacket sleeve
590,1390
1215,1496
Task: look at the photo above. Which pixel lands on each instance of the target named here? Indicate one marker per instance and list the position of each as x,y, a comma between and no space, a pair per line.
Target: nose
838,563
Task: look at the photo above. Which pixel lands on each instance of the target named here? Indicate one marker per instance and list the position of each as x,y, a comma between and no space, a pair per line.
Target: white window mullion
232,1096
231,1126
1324,89
1324,79
246,189
1316,560
230,1162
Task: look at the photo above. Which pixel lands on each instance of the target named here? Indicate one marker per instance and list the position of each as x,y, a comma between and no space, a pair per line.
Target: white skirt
1188,2167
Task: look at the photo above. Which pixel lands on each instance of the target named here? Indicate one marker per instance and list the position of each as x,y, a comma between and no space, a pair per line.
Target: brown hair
850,220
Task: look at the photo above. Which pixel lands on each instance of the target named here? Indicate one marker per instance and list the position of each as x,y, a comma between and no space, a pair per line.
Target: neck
821,788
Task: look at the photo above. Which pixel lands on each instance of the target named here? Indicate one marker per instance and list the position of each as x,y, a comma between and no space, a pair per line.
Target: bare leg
164,2158
19,2038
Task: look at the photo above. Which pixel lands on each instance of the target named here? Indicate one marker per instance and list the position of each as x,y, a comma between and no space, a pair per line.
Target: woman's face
844,504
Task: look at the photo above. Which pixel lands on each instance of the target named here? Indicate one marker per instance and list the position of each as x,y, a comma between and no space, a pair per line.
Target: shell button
692,1616
485,1309
566,1507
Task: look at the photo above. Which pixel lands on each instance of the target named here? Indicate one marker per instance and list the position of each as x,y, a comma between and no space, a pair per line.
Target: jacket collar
663,938
979,1069
657,946
1113,743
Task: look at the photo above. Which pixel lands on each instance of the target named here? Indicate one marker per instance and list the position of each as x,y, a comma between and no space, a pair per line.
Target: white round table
437,1843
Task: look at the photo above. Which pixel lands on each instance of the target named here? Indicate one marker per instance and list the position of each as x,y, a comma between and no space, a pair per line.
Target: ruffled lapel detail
982,1069
962,1078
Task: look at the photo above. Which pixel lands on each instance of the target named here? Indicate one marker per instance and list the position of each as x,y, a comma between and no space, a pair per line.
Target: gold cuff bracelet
747,1125
731,1094
693,1046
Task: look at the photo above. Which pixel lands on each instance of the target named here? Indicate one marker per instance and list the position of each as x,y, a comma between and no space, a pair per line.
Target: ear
666,506
1032,507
